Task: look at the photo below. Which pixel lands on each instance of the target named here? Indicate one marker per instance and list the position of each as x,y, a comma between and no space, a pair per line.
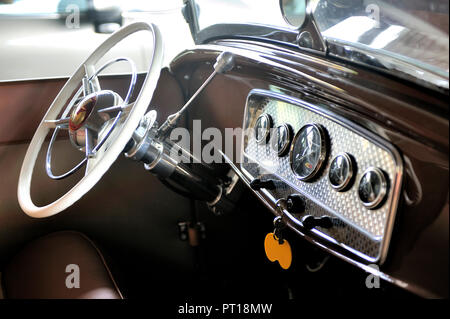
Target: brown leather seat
39,270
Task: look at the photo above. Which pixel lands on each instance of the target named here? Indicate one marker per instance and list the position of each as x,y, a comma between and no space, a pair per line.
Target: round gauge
341,171
372,187
281,139
262,128
308,151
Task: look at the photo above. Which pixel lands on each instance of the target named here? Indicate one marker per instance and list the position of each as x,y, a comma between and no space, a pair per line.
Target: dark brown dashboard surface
413,119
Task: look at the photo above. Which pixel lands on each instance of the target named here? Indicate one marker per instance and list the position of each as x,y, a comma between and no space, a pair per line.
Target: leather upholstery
39,270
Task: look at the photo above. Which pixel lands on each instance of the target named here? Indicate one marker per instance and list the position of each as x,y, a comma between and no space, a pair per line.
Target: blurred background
51,38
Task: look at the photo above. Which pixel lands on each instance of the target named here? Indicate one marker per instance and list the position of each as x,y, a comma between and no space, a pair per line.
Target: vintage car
260,151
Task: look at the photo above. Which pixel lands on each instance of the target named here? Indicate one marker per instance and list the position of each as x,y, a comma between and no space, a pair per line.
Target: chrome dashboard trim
378,141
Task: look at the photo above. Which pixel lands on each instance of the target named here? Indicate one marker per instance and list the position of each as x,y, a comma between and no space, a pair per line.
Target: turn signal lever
224,63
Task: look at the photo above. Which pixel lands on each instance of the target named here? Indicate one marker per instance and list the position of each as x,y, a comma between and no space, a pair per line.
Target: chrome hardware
161,164
149,149
309,37
293,204
86,123
142,136
224,63
90,124
151,146
360,231
88,87
301,16
90,80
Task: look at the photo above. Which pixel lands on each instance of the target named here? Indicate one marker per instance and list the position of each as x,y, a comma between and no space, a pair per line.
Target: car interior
299,154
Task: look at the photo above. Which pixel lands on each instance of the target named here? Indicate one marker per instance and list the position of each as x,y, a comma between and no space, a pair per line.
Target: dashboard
394,130
324,174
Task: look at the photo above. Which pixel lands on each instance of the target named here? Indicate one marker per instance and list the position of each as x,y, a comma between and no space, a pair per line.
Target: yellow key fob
278,252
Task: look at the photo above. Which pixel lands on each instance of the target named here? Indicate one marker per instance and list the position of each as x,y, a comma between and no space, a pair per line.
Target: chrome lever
224,63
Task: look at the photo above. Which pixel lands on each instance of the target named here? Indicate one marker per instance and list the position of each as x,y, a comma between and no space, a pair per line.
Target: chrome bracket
309,37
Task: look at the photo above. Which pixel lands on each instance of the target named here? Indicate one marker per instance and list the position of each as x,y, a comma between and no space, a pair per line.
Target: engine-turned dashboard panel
330,177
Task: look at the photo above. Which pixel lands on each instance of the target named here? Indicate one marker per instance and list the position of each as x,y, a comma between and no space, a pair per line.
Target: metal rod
89,143
224,63
61,123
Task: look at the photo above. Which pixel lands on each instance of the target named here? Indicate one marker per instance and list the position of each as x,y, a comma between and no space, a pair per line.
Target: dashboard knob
257,184
295,204
310,222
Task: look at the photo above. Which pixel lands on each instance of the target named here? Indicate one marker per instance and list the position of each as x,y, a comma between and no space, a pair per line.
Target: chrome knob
224,62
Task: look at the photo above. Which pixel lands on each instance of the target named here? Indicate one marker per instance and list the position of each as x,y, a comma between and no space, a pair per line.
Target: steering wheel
100,123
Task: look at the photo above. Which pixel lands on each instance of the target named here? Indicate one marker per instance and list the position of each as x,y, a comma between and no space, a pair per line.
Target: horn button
86,116
81,113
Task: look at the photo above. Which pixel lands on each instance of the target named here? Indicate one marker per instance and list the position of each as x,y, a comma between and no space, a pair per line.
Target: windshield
412,31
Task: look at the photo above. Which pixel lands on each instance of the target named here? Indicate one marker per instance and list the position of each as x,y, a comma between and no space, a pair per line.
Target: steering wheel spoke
89,143
62,123
90,81
114,109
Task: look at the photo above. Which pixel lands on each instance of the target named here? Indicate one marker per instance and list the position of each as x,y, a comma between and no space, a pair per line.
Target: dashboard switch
310,222
257,184
295,204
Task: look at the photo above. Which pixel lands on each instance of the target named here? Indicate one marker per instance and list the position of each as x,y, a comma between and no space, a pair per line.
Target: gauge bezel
290,133
266,136
322,156
383,188
351,172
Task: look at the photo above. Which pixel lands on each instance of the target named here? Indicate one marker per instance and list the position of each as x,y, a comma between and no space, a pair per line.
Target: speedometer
308,151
